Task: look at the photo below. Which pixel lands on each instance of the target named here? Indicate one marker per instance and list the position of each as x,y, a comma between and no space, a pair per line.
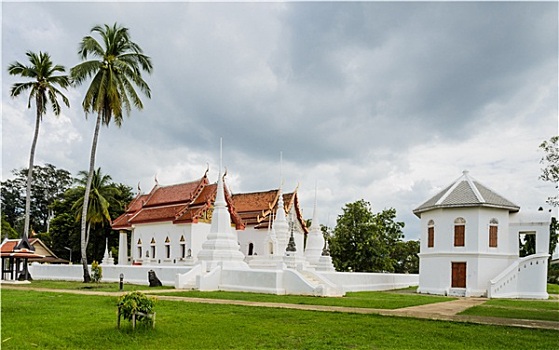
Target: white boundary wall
283,281
111,273
363,281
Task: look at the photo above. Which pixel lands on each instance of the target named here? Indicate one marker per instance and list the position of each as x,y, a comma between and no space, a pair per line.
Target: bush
134,303
96,272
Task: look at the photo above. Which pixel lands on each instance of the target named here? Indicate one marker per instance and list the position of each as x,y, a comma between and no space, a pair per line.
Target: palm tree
102,191
115,69
43,88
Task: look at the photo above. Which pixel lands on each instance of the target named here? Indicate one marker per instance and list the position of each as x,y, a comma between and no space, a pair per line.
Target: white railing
524,278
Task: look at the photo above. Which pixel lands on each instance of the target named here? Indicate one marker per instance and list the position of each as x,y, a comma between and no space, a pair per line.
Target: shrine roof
155,214
179,193
466,192
7,249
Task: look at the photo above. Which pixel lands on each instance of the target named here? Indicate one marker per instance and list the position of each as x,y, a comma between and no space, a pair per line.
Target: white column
123,247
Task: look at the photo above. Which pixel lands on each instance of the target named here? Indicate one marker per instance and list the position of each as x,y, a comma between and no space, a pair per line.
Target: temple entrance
458,275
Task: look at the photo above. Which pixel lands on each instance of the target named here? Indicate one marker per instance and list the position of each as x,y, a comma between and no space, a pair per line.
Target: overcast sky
381,101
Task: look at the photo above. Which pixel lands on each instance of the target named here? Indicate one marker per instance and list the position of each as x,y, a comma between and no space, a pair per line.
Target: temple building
168,225
470,244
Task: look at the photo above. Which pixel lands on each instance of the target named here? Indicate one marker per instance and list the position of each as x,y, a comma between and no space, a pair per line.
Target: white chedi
315,239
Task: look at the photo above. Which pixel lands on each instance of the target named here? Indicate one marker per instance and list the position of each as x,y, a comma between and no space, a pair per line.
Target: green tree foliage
49,184
136,302
7,230
115,67
551,162
43,86
65,227
364,241
405,257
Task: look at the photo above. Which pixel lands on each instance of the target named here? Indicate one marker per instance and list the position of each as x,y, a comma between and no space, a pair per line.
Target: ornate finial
465,172
207,169
156,181
326,249
291,245
139,188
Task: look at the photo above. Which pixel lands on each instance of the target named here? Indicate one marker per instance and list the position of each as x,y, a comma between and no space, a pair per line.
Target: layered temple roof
192,202
466,192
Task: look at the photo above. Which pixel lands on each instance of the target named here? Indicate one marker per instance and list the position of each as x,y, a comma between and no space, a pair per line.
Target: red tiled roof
163,213
180,193
9,245
188,202
7,250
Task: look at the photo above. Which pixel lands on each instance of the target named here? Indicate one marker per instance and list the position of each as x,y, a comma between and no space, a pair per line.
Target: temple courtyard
71,316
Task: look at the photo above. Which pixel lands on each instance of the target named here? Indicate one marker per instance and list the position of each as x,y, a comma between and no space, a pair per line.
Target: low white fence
367,281
111,273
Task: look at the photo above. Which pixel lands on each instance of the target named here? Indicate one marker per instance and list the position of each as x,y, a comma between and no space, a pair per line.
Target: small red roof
7,249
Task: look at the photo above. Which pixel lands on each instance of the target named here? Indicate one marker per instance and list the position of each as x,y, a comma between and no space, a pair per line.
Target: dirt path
447,310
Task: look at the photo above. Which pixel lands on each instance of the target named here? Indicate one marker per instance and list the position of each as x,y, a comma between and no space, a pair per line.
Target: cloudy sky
382,101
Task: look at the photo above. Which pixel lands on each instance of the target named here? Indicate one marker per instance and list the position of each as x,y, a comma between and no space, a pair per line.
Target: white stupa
221,246
315,239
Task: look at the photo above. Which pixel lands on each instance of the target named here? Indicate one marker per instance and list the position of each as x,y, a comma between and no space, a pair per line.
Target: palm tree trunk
84,232
38,103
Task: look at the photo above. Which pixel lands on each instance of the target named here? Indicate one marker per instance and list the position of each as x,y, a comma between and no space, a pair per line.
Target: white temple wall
132,274
254,236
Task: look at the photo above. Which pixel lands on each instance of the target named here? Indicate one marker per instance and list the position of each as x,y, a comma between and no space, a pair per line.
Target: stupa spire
315,239
221,244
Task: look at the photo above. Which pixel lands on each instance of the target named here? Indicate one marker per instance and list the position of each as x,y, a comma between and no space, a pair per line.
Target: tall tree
98,206
43,88
65,227
364,241
115,71
49,184
551,161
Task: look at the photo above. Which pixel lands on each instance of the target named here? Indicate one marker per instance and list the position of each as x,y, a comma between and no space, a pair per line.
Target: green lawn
50,320
373,300
101,287
553,288
522,309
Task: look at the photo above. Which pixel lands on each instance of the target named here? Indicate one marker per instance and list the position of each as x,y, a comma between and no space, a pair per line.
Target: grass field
50,320
522,309
374,300
553,288
100,287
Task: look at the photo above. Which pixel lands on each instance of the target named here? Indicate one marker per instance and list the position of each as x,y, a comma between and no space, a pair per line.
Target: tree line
113,66
56,209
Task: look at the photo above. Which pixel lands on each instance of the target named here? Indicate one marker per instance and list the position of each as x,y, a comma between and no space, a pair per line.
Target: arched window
167,248
139,248
153,248
250,248
459,232
183,247
430,234
493,232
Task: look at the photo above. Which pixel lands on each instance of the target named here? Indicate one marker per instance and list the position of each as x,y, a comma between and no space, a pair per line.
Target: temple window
459,232
167,248
493,232
430,234
250,248
183,250
153,248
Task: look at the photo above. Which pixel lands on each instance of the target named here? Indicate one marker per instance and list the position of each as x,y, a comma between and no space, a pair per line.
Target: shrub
96,272
134,303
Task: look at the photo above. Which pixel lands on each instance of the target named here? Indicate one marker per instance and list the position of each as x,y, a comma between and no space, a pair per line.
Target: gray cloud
382,101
